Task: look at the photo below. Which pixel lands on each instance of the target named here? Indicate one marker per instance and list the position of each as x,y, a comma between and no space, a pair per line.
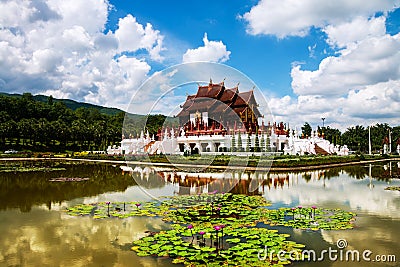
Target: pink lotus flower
314,207
190,226
217,228
202,233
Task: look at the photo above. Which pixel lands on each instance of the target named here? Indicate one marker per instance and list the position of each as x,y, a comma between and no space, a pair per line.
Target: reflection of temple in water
251,183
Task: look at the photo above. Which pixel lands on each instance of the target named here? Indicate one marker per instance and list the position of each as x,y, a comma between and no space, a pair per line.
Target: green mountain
72,104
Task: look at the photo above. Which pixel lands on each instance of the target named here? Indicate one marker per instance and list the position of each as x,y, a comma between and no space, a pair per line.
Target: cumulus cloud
359,83
132,36
52,47
344,34
284,18
372,61
213,51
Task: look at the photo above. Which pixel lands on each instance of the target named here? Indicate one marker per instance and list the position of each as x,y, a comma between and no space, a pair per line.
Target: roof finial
210,80
237,85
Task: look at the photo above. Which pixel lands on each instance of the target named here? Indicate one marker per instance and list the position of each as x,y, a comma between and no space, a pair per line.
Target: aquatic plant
31,169
393,188
243,249
233,236
310,218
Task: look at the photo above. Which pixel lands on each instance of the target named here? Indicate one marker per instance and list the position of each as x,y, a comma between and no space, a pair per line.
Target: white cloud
358,29
369,61
359,85
212,51
53,47
373,103
90,14
133,36
295,18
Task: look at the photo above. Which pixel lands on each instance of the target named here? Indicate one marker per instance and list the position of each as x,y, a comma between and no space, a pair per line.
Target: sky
312,59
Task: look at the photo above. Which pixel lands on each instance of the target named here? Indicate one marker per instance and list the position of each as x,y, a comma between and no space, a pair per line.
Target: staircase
320,151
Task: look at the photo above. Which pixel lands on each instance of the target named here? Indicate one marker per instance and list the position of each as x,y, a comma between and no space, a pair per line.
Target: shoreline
274,169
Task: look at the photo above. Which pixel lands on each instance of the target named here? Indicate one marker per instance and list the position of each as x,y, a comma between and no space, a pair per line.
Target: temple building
219,120
217,109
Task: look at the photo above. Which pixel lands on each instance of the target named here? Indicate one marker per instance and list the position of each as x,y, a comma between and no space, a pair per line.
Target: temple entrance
204,147
282,146
193,150
216,146
182,147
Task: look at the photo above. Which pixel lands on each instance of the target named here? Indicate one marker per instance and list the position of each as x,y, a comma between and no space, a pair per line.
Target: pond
35,229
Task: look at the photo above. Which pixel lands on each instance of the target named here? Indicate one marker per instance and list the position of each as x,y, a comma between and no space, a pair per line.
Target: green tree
257,144
233,142
331,134
356,138
25,129
378,134
268,143
306,129
240,147
50,100
262,143
395,137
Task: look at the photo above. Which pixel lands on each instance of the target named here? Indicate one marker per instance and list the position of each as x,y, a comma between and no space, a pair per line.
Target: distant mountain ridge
69,103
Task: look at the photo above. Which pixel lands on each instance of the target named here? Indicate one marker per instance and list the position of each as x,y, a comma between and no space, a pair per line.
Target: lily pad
219,229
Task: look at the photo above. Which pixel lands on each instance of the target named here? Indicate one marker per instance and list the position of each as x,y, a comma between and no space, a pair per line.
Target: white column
369,139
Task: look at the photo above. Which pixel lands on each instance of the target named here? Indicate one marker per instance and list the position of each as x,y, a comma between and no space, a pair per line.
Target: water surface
36,231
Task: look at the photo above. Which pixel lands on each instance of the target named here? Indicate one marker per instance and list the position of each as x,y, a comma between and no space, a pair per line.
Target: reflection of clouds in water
49,238
307,188
374,233
343,190
132,193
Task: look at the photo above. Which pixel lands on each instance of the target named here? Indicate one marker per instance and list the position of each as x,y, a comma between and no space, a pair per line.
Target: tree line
357,137
27,124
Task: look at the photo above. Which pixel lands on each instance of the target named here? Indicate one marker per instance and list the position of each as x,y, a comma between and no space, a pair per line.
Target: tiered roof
217,99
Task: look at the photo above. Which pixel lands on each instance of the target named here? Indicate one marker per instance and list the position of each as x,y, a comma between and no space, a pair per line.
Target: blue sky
310,58
266,59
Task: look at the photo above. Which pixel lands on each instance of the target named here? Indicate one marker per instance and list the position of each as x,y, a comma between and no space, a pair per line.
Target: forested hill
72,104
40,123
